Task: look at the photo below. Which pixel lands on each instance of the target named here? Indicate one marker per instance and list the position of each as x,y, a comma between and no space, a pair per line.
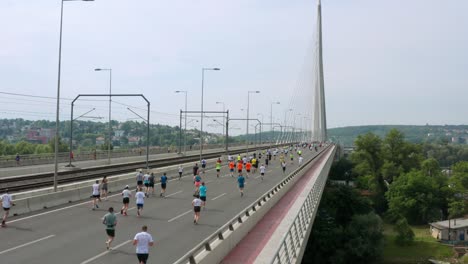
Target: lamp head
97,69
216,69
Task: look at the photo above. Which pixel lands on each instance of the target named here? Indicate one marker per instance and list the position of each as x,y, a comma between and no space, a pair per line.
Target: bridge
271,223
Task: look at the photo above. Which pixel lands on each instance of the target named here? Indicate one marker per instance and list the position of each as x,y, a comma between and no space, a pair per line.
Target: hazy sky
386,62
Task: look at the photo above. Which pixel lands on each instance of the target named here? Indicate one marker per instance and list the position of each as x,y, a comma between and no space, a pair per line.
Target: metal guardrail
293,239
48,158
219,235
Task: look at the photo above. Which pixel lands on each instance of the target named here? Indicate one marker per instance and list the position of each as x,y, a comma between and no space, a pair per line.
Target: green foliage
345,230
341,170
364,243
405,235
416,197
24,147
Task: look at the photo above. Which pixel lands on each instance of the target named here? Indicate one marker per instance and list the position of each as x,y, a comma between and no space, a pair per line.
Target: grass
423,248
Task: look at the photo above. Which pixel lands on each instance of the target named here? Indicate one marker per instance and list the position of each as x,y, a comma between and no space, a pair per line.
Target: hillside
416,134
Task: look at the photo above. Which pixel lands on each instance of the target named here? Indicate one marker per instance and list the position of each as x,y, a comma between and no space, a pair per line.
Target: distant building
119,133
457,228
100,141
133,141
40,135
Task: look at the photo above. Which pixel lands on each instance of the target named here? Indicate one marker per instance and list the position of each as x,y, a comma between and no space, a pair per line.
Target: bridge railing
298,233
210,249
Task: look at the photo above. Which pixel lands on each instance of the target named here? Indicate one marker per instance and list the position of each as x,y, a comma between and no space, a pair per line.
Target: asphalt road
75,234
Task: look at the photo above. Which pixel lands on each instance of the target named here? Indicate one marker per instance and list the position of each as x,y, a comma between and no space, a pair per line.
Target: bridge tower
320,119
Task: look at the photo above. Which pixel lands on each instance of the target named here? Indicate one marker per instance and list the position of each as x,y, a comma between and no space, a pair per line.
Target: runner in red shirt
248,166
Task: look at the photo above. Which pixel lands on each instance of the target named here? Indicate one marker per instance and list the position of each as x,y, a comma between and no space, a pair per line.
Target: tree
405,234
416,197
365,240
368,161
458,205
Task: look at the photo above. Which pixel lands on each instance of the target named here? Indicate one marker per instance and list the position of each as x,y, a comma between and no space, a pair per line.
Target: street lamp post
185,129
285,123
57,113
201,113
110,117
224,110
248,105
258,114
271,116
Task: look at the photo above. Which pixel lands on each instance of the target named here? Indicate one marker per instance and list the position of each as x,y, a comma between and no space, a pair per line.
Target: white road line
27,244
65,208
105,252
172,219
172,194
219,196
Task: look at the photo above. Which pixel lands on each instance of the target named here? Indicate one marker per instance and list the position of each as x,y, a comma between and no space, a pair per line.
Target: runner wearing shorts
104,189
96,195
248,167
151,183
196,208
195,169
110,221
139,179
146,183
262,171
239,168
181,170
231,168
126,194
241,182
197,182
7,202
203,165
163,185
143,241
218,168
140,200
203,194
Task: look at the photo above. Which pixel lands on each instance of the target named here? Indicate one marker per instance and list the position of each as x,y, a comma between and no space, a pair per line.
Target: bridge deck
261,243
75,234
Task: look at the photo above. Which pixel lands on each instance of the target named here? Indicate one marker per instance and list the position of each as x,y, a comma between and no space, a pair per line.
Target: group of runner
145,187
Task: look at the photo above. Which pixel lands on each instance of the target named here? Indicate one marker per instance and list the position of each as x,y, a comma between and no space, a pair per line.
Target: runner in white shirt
7,202
143,241
96,195
181,170
140,200
126,194
262,171
300,160
197,202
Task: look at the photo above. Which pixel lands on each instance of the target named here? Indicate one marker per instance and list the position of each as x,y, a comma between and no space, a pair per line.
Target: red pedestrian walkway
251,245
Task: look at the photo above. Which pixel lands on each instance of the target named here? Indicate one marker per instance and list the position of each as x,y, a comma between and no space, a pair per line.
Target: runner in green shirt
110,221
218,168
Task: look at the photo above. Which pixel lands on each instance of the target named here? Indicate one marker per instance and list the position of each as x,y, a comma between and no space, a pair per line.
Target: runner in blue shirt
163,185
202,190
240,181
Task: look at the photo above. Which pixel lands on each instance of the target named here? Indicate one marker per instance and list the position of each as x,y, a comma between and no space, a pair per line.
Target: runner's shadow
22,228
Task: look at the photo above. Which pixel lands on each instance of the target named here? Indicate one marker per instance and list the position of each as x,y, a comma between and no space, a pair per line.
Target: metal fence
294,238
48,158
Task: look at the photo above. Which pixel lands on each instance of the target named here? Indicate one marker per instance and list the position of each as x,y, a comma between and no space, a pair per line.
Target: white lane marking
258,176
105,252
219,196
172,219
65,208
208,181
172,194
26,244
